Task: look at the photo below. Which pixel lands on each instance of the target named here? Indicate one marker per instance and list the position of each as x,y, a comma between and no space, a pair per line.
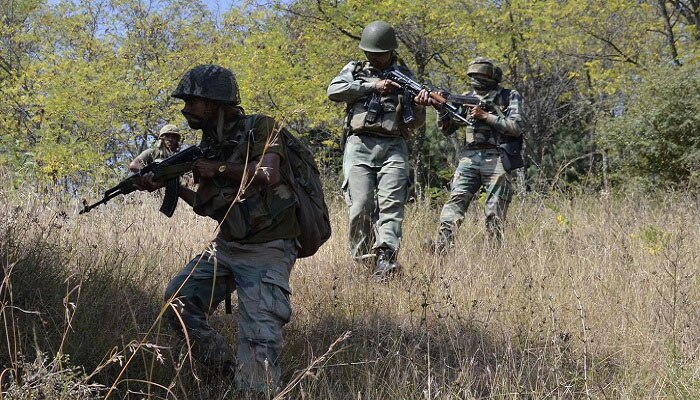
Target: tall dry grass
589,298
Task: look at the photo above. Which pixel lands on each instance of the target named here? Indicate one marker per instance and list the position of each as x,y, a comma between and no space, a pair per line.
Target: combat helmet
378,37
169,129
210,82
481,65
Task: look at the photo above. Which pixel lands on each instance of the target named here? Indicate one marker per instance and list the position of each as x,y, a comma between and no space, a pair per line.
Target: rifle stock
168,170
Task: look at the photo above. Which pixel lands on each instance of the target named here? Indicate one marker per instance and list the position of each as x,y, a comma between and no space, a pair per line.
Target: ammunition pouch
511,154
380,115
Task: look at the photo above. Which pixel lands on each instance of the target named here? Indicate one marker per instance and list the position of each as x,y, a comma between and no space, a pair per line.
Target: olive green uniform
253,254
375,159
155,154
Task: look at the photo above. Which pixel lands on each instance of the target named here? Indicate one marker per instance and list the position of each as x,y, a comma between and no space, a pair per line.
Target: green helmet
169,129
378,37
209,82
482,65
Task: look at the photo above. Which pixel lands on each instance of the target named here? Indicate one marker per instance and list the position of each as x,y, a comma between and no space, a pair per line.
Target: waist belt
481,146
375,134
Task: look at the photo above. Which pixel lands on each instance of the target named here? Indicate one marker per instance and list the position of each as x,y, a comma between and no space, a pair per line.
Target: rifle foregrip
437,96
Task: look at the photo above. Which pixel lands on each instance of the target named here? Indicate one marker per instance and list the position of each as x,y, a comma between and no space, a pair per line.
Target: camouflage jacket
505,118
155,154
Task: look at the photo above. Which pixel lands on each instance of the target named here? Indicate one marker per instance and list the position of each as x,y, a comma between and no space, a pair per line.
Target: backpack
305,180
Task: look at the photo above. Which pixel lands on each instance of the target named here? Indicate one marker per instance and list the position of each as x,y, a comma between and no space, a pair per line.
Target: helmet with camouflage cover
481,65
169,129
209,82
378,37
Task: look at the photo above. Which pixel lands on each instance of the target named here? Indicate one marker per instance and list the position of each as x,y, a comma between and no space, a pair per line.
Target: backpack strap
249,126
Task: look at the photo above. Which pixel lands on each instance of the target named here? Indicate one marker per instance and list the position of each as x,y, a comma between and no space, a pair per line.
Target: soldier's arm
511,124
345,88
141,161
186,194
265,171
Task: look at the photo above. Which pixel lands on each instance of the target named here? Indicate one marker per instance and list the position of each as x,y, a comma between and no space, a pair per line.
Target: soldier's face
198,111
171,141
379,60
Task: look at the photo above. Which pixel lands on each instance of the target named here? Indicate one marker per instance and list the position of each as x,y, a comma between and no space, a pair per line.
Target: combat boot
387,266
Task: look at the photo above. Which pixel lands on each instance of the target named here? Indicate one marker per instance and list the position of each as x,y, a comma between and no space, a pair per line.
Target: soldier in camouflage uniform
375,161
255,248
168,144
490,150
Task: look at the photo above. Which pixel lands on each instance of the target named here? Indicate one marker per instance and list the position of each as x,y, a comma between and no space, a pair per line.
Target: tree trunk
668,32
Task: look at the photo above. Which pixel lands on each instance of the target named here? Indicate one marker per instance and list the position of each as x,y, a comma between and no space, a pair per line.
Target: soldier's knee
173,287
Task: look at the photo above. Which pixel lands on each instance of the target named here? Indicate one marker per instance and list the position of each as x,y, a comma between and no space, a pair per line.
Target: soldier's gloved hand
205,169
146,182
385,86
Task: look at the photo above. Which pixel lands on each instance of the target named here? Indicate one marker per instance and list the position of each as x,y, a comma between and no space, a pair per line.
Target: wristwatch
222,168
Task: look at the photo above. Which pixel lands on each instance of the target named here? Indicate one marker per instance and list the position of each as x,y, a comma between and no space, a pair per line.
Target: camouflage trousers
375,188
477,168
259,273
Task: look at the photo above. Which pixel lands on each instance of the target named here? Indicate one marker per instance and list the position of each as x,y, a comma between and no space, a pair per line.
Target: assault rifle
168,170
413,87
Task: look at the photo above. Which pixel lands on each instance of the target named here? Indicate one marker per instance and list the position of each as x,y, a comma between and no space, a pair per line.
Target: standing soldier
375,161
255,248
491,148
168,144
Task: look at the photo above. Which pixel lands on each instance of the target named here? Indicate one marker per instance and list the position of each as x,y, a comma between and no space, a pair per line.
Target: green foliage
655,134
86,84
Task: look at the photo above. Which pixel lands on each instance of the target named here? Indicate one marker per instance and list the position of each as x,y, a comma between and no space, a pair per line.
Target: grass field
591,297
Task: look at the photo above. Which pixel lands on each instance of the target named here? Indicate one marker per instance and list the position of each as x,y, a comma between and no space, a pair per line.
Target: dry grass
589,298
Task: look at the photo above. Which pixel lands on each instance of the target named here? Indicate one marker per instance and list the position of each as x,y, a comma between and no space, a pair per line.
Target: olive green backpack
305,180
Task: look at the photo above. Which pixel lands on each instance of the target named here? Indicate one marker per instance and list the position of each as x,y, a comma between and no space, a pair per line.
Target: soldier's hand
205,169
423,98
478,113
146,182
385,86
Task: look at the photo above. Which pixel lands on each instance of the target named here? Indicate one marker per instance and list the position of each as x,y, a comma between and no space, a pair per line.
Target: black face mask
193,121
483,83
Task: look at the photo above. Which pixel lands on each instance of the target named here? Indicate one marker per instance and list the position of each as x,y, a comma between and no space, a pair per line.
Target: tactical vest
386,118
481,133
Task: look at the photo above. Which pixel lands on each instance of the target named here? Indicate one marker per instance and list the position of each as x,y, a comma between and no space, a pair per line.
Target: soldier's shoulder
512,93
508,89
261,125
148,152
353,67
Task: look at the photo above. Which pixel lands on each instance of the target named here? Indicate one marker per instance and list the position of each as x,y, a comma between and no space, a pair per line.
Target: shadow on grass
439,359
71,310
